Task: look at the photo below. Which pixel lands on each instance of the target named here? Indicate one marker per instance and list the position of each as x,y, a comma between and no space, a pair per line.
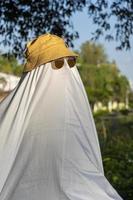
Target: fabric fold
49,147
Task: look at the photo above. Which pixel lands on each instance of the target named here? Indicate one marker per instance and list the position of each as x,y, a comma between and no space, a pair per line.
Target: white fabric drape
49,148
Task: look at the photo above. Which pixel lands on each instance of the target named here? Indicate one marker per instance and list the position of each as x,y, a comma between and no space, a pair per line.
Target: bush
118,166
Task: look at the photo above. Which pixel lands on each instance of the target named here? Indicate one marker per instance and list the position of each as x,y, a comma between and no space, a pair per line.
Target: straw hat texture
45,48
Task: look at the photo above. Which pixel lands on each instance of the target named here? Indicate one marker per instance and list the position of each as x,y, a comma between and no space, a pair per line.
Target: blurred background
101,32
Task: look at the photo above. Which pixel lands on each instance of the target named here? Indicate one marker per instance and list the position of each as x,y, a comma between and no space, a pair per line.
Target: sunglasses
60,62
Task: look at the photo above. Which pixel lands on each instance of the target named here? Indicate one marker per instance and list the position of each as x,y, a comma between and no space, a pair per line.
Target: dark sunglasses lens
71,61
59,63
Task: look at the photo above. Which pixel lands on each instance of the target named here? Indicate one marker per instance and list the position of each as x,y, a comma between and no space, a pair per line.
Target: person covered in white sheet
49,148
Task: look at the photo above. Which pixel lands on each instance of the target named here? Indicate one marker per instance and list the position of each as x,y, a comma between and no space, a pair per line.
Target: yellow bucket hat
45,48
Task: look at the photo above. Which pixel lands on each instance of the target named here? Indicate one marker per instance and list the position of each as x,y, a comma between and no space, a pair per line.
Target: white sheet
49,149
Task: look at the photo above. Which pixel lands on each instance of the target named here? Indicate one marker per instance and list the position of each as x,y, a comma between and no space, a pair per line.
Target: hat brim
43,56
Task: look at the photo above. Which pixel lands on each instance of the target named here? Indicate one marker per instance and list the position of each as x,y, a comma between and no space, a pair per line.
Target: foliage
118,165
117,14
102,79
92,53
103,82
131,99
10,65
116,141
21,20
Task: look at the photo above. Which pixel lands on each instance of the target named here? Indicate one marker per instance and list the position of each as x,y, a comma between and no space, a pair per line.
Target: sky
85,27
